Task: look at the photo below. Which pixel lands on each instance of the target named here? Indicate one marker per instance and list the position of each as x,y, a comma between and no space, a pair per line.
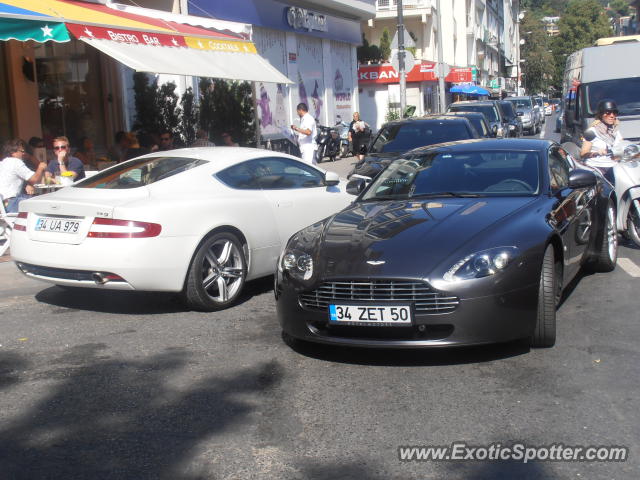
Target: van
608,71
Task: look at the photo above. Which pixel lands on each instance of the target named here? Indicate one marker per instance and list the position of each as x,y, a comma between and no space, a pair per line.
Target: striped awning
144,39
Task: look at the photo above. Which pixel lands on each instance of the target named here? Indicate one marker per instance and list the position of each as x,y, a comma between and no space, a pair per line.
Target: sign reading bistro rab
421,72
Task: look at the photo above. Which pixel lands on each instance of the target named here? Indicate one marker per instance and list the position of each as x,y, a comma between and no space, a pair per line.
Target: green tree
618,8
147,117
385,45
227,106
582,24
167,100
537,68
189,117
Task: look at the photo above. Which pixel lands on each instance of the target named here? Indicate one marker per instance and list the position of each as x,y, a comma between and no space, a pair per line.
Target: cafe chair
6,226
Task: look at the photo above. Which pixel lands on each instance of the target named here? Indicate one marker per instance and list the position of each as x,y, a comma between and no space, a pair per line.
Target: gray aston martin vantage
462,244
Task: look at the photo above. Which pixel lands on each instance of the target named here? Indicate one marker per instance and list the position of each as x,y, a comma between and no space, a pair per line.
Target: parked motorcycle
328,141
343,131
626,174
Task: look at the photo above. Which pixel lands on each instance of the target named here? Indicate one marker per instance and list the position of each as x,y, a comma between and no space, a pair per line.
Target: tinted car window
407,136
507,109
271,173
488,110
490,173
558,170
140,172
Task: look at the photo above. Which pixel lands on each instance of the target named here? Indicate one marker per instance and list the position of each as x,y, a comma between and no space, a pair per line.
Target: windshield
492,173
139,173
624,91
488,110
521,102
407,136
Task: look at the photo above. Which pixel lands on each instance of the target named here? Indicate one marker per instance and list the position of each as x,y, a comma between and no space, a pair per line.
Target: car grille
420,294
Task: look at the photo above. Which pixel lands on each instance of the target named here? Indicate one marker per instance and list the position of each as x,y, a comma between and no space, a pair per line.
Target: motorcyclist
601,136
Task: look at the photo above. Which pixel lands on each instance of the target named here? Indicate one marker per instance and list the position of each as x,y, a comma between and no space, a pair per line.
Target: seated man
63,161
14,173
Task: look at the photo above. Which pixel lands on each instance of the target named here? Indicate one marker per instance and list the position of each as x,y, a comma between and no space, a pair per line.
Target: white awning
235,65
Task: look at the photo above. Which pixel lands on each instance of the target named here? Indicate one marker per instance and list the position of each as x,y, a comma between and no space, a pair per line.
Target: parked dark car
397,138
478,120
462,244
513,120
491,110
527,110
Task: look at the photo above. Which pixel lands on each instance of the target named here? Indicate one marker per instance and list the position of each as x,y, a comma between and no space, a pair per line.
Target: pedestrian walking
306,133
358,135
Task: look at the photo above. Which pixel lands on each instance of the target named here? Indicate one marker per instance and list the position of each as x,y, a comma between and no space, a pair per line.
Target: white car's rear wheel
217,273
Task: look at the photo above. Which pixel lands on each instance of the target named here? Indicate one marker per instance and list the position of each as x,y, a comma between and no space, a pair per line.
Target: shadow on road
408,358
134,303
108,418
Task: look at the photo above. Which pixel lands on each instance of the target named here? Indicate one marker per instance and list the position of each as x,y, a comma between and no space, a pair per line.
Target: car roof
426,118
489,144
521,97
221,157
473,102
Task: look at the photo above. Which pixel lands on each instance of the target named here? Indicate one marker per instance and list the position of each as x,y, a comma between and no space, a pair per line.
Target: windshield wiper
446,194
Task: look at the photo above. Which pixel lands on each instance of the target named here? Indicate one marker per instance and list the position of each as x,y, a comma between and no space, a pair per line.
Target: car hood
406,238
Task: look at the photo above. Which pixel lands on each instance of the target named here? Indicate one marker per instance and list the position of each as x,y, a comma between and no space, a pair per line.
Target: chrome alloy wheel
612,234
222,270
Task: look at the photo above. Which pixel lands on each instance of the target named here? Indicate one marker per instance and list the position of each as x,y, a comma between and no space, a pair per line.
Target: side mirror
356,185
582,179
520,113
331,179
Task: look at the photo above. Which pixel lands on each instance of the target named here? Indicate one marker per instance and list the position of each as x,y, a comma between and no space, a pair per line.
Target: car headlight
481,264
512,127
298,264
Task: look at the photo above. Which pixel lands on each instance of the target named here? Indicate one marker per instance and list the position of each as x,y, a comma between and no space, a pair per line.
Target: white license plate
60,225
370,314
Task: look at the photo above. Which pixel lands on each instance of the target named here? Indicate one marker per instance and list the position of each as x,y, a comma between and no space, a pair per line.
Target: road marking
629,267
543,129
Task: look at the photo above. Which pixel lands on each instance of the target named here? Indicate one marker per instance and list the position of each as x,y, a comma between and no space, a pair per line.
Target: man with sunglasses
63,161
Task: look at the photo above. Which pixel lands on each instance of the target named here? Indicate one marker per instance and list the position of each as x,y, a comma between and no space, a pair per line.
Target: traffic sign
442,70
408,41
409,61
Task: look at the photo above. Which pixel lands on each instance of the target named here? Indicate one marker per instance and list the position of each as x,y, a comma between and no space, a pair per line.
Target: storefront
379,87
314,47
62,62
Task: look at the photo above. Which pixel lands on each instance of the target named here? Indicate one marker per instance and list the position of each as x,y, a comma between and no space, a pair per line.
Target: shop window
70,92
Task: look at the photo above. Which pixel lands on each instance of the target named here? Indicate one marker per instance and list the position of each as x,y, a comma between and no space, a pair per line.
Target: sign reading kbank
303,19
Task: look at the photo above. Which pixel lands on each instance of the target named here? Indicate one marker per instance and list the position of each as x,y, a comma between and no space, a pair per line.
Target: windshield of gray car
520,103
432,174
488,110
401,137
623,91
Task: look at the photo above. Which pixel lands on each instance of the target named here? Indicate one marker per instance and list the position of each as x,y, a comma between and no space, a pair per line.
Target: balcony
392,5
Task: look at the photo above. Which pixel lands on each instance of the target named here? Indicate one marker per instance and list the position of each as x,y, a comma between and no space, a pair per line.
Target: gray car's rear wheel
544,333
217,273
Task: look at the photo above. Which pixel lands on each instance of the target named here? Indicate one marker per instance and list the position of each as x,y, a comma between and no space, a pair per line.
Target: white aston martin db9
201,221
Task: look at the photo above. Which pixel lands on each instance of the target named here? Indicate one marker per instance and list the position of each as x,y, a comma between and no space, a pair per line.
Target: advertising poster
271,97
309,86
342,80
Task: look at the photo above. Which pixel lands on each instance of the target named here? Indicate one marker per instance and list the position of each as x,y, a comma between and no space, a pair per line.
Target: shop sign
303,19
293,57
421,72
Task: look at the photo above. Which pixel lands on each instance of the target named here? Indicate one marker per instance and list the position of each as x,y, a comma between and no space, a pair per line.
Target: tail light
20,223
112,228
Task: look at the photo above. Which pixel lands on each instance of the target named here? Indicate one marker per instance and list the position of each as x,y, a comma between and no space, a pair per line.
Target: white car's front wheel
217,273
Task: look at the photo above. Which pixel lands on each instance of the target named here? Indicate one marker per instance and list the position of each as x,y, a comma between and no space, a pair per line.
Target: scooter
328,142
343,131
626,174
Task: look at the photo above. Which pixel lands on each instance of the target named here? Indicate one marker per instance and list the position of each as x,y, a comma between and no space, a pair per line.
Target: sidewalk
341,166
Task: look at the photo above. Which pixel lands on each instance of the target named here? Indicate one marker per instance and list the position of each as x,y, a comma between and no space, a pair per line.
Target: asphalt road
99,385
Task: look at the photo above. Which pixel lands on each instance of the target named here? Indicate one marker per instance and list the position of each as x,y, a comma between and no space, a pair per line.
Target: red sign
126,36
421,72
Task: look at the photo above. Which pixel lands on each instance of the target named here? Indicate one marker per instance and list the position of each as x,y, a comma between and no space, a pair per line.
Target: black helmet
605,105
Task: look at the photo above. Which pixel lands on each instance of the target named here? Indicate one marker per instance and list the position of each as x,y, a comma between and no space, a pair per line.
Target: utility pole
441,92
401,65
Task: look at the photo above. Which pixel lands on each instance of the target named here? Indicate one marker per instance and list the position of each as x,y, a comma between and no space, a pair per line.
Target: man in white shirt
306,133
14,173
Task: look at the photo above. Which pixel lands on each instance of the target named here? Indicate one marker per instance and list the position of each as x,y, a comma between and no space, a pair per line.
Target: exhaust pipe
99,278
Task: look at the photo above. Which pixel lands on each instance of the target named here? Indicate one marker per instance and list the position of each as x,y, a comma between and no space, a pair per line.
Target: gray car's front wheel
217,273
